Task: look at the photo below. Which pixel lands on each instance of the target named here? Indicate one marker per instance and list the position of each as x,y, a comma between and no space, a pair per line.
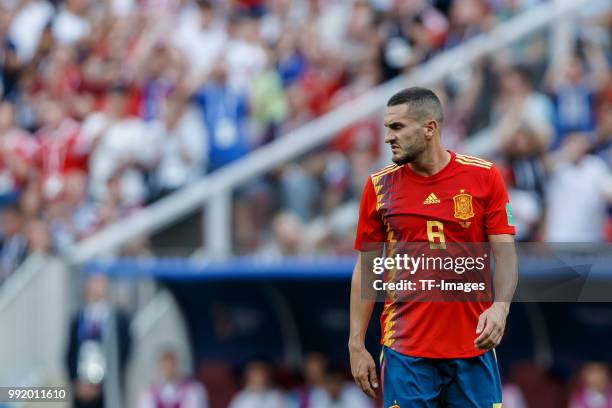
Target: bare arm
506,272
363,367
492,322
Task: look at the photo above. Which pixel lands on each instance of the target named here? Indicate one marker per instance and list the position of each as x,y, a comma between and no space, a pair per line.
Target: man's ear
431,127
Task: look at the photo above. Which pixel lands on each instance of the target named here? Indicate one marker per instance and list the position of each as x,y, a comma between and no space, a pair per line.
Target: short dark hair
423,103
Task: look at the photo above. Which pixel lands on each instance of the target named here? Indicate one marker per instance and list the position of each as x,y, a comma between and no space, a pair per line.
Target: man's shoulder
384,171
473,163
475,171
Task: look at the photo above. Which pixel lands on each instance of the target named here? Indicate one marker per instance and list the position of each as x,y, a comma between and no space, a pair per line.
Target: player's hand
491,325
364,370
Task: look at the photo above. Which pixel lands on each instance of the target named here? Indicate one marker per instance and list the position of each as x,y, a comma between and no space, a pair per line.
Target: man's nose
389,137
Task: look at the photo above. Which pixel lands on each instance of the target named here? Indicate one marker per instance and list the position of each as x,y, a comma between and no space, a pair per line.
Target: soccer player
434,354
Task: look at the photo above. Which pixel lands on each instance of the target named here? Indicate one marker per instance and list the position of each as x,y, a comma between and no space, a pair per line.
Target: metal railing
214,191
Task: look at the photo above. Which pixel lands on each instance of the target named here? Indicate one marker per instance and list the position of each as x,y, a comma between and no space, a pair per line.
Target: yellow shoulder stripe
384,169
467,163
474,159
380,174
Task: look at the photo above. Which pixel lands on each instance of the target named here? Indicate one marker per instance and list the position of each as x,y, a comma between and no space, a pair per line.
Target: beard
407,156
411,149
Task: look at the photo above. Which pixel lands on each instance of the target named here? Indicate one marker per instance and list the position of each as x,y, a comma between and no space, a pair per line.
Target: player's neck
430,162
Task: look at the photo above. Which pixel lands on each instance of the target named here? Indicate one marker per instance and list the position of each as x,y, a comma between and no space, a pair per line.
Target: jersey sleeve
370,227
498,214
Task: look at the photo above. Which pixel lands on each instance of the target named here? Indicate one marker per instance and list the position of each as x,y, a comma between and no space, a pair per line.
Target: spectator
603,142
574,91
201,36
340,393
245,56
27,26
595,390
287,240
580,183
513,396
74,216
300,185
39,237
120,147
79,204
290,61
98,348
158,75
173,390
10,69
281,17
113,205
184,146
18,153
412,32
30,201
224,111
258,390
13,244
315,369
269,104
520,105
526,179
71,24
63,148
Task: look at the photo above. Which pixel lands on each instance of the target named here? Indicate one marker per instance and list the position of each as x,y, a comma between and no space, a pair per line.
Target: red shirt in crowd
61,151
18,154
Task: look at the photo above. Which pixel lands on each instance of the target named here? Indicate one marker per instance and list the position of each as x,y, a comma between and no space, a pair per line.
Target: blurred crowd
322,386
107,106
544,119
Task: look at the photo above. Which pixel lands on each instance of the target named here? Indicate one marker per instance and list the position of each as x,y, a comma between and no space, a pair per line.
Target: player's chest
454,203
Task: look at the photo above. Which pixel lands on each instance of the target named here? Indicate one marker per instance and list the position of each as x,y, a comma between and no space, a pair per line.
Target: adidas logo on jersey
431,199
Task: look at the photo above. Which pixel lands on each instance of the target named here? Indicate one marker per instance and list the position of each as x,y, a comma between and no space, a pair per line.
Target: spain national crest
463,206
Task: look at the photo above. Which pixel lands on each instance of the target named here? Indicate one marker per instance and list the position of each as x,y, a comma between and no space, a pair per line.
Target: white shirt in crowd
245,61
526,211
183,150
576,201
332,22
350,397
203,46
125,140
273,25
69,28
255,399
513,396
27,27
190,394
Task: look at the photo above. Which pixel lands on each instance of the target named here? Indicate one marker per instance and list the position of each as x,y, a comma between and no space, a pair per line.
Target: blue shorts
411,382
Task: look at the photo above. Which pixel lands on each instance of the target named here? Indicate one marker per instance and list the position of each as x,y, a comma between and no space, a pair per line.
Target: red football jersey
398,204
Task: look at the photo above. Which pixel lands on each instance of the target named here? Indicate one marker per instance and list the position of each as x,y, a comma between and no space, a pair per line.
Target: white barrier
34,311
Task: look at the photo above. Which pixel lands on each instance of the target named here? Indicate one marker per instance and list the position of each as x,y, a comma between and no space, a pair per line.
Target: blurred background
179,185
